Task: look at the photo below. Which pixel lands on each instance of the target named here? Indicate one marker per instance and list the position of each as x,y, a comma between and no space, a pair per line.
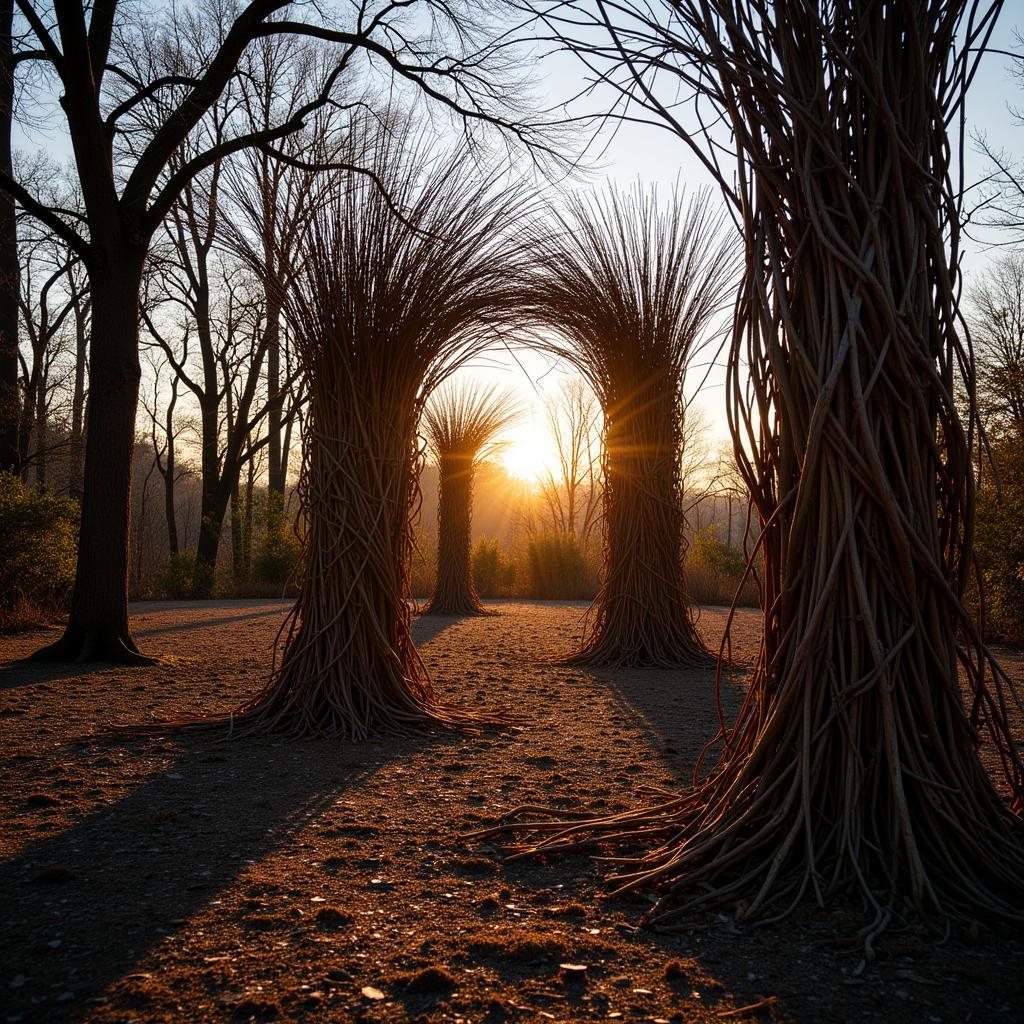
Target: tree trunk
454,593
170,512
642,610
9,269
40,429
76,447
248,520
210,519
237,558
275,401
97,628
211,525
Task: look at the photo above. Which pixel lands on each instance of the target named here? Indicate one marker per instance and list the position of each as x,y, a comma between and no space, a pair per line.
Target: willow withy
854,767
402,276
461,425
628,287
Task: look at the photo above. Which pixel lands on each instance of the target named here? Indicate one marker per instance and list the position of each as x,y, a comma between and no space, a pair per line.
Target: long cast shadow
428,627
210,621
25,673
127,877
677,708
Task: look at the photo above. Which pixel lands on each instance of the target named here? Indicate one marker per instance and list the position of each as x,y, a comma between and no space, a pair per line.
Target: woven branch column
855,767
454,592
461,425
630,287
401,278
349,666
642,613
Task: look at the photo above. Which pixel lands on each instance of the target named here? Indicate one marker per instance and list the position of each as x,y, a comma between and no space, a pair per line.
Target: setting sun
520,459
529,452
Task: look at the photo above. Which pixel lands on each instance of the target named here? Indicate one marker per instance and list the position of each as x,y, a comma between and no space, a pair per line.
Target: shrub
38,540
999,544
276,556
558,566
494,573
714,553
714,570
173,580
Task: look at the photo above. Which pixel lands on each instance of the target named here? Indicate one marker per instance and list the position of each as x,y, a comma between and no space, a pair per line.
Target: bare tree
571,495
270,193
165,430
52,293
121,160
9,284
222,318
997,327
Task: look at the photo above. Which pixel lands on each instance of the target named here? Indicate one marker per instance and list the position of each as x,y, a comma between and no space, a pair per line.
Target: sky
652,155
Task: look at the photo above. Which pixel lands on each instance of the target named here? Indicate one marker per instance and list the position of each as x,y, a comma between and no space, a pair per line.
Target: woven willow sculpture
854,765
629,285
460,425
403,275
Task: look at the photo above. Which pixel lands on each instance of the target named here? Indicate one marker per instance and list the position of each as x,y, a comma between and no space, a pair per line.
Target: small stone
431,980
18,980
331,918
369,992
573,974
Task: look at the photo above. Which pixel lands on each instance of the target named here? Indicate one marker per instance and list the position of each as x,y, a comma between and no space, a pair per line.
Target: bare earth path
197,879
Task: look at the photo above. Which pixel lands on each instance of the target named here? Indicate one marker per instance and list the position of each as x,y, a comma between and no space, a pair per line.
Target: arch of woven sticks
404,276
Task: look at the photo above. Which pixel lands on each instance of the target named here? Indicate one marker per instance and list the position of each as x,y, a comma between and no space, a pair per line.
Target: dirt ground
198,879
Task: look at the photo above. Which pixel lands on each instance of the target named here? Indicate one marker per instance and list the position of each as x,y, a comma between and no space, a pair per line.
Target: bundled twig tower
403,275
461,425
854,765
628,287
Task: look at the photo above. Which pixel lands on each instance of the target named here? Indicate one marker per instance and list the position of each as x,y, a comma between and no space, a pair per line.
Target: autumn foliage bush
714,571
38,539
559,566
494,572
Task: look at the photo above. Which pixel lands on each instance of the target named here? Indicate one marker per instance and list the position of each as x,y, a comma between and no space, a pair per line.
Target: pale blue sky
654,155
